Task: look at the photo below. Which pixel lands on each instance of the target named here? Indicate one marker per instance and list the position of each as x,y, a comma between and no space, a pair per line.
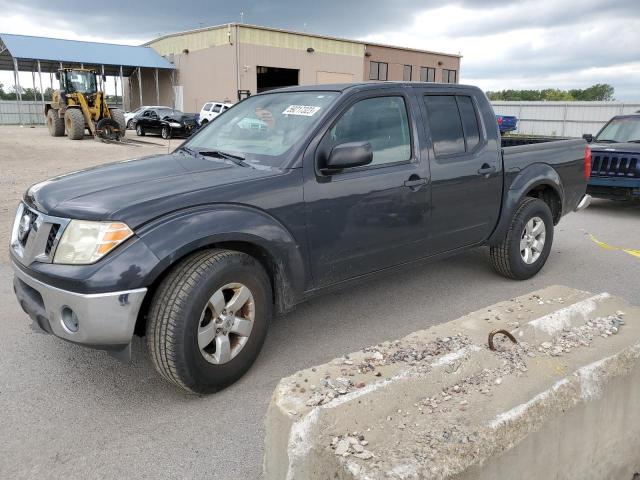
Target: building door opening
274,77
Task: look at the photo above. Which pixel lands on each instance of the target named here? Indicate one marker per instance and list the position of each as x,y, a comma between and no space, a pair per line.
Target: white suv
211,110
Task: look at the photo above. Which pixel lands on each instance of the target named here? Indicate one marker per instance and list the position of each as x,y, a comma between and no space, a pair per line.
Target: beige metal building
222,62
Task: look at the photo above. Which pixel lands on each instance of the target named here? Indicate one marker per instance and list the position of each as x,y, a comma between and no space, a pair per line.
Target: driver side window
381,121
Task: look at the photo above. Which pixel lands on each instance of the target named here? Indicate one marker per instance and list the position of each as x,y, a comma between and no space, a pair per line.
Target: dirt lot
71,412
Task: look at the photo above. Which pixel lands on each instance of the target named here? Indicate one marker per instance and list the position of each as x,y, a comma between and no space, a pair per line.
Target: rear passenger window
217,108
453,124
381,121
469,122
445,124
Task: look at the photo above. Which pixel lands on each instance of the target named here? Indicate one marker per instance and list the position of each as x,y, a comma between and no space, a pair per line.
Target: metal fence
564,119
27,112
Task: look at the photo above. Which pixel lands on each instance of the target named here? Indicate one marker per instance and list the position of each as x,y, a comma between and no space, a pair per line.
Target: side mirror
104,78
348,155
57,75
588,137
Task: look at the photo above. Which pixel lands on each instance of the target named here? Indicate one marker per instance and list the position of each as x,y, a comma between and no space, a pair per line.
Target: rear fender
521,183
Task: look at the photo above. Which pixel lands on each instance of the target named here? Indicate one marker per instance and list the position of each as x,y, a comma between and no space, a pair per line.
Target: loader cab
77,81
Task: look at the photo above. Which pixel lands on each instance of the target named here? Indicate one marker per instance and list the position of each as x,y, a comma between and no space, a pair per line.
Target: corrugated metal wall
565,119
32,112
28,112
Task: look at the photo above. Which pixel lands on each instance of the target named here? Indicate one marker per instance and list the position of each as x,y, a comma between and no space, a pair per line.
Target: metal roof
51,51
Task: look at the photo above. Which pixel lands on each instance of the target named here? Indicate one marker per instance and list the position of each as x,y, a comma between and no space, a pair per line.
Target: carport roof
51,51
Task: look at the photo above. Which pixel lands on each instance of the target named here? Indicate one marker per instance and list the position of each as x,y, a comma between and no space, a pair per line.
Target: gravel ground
77,413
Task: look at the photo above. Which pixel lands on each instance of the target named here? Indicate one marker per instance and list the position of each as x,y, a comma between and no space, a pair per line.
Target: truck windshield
621,130
262,129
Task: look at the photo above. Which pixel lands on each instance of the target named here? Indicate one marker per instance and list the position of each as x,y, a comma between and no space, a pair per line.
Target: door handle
414,182
486,169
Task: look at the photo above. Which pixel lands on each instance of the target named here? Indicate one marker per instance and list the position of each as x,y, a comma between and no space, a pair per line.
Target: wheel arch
538,180
276,250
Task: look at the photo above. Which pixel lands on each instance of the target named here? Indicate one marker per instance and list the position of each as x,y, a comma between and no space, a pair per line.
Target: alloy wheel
226,323
532,240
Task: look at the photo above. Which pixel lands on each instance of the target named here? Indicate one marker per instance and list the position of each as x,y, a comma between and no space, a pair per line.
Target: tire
507,258
204,122
139,130
55,123
165,132
74,123
129,125
108,129
118,116
178,316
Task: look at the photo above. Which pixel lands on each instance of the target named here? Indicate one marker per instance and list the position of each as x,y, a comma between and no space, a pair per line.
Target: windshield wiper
604,140
237,159
635,140
188,150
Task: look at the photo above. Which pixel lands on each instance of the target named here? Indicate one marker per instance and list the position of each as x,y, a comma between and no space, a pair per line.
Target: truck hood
138,190
615,147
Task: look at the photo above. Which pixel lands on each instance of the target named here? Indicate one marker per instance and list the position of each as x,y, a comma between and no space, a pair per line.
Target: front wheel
525,249
139,130
208,320
166,132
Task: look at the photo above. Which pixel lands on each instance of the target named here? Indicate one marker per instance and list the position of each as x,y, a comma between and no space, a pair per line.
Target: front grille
33,227
614,164
51,239
35,240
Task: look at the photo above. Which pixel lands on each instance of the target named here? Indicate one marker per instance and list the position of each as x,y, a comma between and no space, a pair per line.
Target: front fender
520,183
178,234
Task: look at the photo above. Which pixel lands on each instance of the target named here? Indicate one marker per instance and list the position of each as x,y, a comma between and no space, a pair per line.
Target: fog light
69,319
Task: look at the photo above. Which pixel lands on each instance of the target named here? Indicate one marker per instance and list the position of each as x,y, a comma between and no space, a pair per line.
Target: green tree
597,92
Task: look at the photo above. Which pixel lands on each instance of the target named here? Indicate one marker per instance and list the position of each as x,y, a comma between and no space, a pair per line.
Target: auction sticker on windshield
305,110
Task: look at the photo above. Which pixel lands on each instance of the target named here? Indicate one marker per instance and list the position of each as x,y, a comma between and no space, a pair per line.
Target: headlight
174,125
86,242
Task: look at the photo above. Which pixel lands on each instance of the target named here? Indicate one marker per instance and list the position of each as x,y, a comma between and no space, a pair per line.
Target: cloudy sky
517,44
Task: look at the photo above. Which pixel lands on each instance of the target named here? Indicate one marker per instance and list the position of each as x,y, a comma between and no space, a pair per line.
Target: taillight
499,120
587,163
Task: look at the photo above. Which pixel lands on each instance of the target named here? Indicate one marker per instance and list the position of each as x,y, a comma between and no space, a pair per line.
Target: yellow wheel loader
79,105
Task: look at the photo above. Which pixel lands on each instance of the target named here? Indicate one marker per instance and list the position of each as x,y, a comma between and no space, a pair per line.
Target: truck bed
559,157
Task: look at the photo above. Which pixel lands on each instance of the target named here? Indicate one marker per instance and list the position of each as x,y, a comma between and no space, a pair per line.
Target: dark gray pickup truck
283,196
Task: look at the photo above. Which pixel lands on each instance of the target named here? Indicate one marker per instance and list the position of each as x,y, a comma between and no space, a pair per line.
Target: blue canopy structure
51,52
48,55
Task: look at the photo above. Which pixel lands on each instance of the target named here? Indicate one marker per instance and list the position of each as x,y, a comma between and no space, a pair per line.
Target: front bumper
104,320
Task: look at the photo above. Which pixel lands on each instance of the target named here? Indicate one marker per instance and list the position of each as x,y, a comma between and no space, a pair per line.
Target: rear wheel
118,116
165,132
55,123
208,320
527,245
139,130
74,123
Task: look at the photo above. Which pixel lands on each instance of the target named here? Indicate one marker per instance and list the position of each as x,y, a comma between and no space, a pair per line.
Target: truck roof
360,86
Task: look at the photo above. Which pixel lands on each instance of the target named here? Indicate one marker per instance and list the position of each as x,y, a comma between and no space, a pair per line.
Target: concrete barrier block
563,402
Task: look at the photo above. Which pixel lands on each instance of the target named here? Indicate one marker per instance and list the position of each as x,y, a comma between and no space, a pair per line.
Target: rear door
466,170
364,219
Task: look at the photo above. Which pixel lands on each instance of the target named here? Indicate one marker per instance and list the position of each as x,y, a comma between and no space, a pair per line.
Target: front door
466,172
364,219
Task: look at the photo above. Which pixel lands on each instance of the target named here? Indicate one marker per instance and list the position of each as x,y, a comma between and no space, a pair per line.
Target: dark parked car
615,166
166,122
507,123
290,193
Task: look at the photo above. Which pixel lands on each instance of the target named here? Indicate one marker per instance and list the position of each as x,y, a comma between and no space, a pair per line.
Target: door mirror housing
57,75
588,137
348,155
